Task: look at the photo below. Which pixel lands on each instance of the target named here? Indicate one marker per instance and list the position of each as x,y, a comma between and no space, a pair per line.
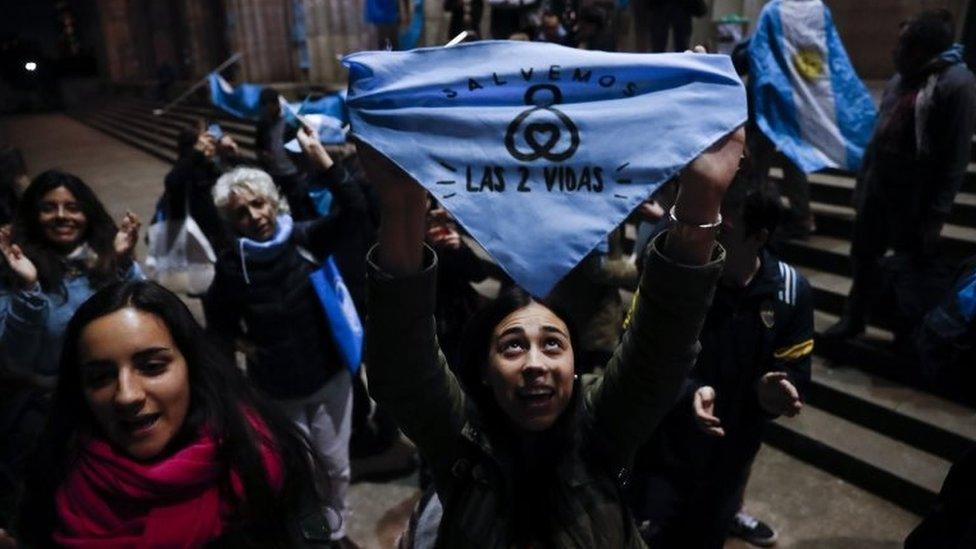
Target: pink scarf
110,500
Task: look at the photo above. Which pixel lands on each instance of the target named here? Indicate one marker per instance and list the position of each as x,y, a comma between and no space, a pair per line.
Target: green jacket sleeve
407,373
644,378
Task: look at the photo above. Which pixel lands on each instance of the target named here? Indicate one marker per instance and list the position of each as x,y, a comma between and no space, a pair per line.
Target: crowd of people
584,24
576,420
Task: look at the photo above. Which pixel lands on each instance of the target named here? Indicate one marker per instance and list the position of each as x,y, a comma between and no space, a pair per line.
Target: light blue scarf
268,250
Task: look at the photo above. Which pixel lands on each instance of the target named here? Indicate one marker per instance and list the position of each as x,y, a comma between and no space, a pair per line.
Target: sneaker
753,530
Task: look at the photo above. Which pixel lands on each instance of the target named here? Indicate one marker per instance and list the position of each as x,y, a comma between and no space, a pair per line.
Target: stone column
260,30
335,28
204,44
122,59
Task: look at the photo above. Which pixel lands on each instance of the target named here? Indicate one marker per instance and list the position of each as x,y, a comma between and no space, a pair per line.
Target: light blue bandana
537,149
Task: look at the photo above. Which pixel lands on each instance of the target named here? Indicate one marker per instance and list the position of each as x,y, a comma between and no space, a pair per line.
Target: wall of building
334,28
868,28
203,43
261,31
124,58
195,35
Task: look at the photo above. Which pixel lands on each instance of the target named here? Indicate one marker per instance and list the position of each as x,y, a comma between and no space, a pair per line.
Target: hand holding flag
311,145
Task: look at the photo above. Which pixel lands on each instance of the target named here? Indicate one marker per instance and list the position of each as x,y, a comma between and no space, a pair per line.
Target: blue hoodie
33,322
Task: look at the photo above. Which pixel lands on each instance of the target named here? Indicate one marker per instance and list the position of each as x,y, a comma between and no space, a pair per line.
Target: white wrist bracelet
714,225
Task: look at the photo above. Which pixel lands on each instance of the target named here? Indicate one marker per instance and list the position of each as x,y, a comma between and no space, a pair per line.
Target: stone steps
896,471
175,121
839,190
869,419
916,418
127,136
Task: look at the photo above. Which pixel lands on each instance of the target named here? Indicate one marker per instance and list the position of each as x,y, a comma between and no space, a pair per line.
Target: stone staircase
132,121
865,420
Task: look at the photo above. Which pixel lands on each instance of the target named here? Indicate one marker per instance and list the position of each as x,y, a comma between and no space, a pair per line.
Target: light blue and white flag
242,101
340,311
331,131
807,98
541,150
332,104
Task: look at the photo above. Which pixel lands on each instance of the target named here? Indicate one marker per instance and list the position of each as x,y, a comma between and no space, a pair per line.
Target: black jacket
765,327
190,182
295,354
929,177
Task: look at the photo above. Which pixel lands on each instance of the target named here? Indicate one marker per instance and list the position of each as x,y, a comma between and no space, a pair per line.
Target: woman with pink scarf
156,440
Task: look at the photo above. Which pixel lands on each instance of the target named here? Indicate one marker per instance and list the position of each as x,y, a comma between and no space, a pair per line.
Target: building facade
302,40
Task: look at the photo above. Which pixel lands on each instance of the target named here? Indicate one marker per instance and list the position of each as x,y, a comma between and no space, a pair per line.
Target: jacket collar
765,283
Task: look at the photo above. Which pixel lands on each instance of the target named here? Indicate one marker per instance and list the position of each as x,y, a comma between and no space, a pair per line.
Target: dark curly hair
49,260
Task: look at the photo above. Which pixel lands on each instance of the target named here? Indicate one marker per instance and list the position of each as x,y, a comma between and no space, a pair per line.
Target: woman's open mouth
140,425
536,397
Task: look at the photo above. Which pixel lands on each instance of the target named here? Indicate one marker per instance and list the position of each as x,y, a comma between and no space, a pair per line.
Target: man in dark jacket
916,160
262,295
202,159
753,366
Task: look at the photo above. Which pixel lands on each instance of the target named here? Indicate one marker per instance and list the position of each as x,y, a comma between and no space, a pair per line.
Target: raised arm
645,375
23,308
322,234
407,373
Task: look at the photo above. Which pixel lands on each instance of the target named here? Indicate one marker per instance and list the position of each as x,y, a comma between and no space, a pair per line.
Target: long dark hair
534,479
220,399
99,233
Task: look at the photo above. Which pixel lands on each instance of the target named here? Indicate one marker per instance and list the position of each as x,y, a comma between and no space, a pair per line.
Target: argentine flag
541,150
808,100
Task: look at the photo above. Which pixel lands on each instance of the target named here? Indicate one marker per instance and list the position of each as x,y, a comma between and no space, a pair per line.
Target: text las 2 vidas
541,131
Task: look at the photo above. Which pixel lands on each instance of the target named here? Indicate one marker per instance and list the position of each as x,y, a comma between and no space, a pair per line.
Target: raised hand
778,396
206,144
704,405
702,187
18,261
308,140
703,182
403,207
227,146
128,235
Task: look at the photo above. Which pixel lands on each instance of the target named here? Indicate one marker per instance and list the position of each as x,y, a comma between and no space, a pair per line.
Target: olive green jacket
409,377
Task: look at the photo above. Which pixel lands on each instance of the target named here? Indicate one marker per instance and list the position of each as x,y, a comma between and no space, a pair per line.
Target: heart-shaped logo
549,130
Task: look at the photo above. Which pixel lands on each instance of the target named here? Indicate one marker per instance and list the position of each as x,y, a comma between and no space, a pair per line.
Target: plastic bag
179,256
